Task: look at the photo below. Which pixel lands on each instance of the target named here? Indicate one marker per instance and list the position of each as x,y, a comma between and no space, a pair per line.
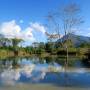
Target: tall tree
65,19
15,42
71,19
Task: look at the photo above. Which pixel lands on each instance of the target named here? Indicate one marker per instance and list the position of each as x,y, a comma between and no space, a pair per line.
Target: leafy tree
15,43
85,45
41,45
49,47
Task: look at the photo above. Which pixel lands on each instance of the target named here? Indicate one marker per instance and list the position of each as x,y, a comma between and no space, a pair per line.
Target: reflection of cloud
31,71
80,70
55,68
27,70
9,77
36,76
34,72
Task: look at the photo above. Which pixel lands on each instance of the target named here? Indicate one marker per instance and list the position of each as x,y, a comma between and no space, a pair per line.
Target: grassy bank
4,53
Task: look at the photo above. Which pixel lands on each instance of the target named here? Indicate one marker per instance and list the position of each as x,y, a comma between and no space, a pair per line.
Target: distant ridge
76,39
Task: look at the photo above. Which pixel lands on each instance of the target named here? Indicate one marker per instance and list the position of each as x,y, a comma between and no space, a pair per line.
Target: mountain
76,39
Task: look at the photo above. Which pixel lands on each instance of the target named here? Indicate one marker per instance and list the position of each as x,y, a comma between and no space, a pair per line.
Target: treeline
58,48
9,47
13,47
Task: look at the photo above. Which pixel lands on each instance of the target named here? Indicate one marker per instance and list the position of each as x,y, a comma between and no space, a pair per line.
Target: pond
51,73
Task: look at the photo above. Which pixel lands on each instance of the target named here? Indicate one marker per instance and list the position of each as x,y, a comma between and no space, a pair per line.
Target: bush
70,51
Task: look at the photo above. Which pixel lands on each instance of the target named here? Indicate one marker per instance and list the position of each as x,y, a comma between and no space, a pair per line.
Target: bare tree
71,19
53,26
65,20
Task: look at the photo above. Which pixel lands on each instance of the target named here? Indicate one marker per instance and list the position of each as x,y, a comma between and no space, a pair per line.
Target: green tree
15,43
49,47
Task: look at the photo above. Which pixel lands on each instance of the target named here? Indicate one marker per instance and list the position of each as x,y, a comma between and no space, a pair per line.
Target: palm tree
15,43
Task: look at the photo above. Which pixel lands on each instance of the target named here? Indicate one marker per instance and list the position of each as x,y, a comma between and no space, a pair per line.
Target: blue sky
28,16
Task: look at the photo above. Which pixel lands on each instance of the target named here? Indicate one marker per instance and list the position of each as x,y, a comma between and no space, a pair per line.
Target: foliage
85,45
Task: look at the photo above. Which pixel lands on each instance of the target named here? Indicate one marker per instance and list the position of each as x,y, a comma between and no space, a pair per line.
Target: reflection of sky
9,76
30,72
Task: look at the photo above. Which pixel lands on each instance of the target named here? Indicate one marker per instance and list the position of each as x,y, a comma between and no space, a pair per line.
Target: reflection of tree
86,61
5,63
35,69
50,59
15,63
66,75
10,62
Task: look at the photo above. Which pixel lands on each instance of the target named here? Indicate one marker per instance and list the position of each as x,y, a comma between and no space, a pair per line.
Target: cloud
88,29
11,30
88,34
39,27
85,32
9,76
29,34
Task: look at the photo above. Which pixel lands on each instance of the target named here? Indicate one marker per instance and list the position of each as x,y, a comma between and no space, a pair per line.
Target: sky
26,18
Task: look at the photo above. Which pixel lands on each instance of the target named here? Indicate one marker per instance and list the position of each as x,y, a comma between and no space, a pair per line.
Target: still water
51,73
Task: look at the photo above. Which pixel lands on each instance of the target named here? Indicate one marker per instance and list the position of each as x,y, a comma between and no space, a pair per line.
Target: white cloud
39,27
27,34
9,76
88,34
11,30
84,32
88,28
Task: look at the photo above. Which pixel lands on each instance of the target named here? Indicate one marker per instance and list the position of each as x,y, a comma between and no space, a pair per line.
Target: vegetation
10,47
70,19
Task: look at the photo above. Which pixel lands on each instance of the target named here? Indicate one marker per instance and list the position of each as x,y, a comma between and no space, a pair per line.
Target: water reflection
47,70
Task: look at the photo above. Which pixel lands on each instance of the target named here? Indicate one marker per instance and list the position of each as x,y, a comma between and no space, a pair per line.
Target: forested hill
76,39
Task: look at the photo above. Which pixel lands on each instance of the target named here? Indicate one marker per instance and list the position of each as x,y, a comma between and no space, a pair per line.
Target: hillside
76,39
